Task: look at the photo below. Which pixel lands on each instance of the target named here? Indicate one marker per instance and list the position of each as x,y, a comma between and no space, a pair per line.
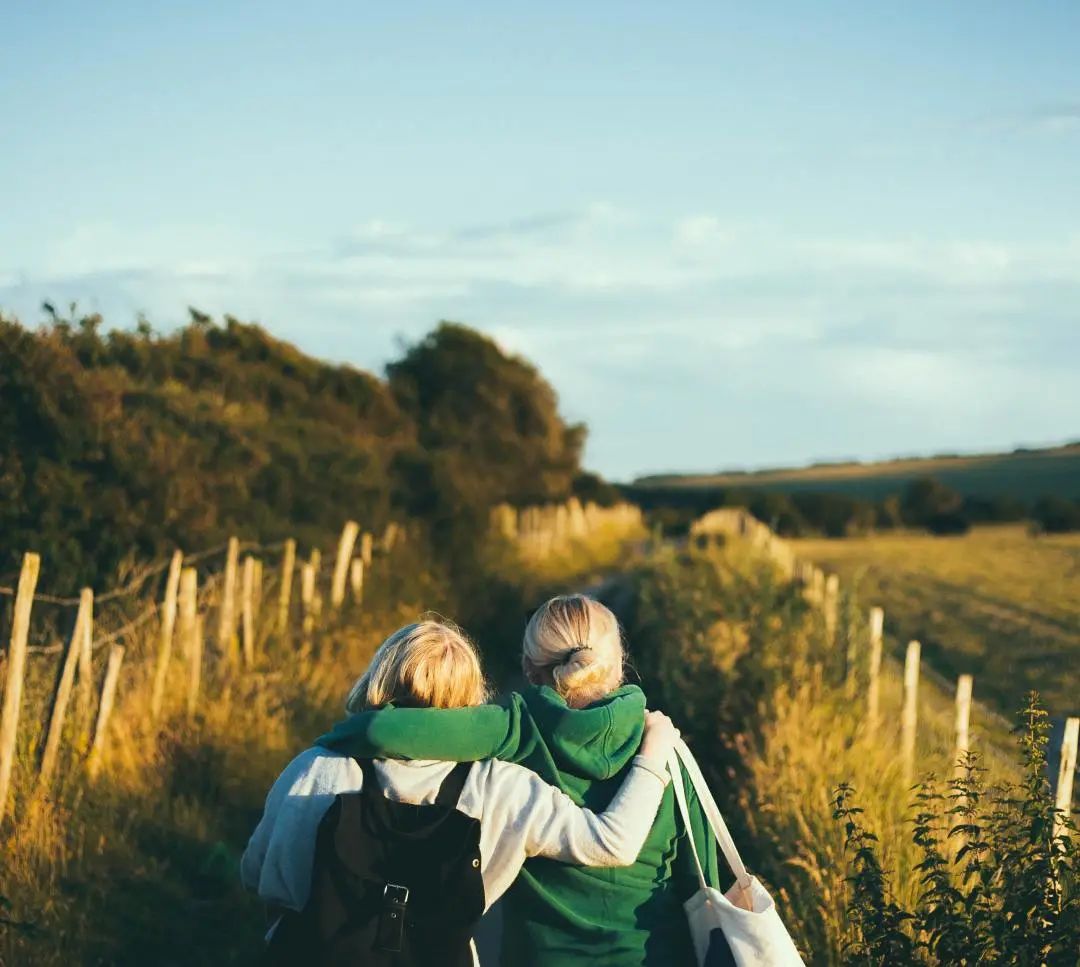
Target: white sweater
520,816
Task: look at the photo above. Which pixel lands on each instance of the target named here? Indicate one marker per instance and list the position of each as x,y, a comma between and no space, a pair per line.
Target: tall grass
140,866
738,656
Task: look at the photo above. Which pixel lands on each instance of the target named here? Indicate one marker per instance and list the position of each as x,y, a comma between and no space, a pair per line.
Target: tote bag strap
712,814
684,810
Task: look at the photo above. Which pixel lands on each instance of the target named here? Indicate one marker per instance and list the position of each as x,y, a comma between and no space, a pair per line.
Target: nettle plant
998,878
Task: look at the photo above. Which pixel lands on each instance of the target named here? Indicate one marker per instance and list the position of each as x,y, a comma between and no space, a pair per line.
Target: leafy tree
1056,515
115,443
487,428
929,503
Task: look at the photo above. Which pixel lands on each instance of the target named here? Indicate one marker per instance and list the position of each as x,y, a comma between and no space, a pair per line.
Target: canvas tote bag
745,916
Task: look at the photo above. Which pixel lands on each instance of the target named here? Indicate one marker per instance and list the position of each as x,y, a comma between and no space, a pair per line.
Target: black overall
393,884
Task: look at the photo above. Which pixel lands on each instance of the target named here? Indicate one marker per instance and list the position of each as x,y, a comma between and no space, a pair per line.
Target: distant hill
1025,474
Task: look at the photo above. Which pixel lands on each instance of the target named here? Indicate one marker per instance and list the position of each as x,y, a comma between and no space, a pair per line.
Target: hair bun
579,668
574,641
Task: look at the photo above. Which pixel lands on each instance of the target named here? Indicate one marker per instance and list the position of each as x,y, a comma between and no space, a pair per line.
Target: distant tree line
116,445
925,504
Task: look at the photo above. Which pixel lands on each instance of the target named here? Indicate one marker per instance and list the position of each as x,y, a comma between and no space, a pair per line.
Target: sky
730,234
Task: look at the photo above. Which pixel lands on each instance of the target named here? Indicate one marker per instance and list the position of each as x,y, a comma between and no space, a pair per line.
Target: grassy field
998,602
1027,474
737,657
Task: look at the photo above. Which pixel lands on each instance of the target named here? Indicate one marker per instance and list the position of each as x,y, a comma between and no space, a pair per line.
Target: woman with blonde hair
578,727
392,863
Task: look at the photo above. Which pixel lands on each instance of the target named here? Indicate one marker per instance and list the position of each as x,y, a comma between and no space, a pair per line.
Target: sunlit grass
999,603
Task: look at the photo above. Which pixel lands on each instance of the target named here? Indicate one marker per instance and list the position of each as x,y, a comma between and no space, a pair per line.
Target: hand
660,735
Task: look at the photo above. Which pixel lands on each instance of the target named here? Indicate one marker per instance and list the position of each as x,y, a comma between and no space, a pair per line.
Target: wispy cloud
641,320
1063,118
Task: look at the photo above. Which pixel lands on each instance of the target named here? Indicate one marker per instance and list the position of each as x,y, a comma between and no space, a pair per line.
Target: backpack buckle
391,927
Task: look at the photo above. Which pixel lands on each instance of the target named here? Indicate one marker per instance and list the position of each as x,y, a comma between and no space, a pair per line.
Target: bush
1056,515
998,884
134,442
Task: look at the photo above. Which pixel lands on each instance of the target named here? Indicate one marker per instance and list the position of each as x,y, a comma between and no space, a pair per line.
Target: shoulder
318,770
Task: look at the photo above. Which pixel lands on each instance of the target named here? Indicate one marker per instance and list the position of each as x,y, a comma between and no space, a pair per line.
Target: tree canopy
116,443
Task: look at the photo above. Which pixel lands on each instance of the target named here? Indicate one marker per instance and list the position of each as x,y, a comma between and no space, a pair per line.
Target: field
1026,474
998,603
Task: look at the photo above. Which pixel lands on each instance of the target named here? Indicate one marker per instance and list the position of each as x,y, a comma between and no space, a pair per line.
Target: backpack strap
453,785
371,779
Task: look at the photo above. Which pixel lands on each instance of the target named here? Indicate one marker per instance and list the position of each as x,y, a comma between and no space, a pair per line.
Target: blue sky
730,234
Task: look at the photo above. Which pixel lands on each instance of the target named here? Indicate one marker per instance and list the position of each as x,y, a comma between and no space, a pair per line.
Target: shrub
1056,515
998,879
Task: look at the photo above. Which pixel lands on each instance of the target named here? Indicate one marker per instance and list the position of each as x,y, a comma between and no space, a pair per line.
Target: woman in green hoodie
578,727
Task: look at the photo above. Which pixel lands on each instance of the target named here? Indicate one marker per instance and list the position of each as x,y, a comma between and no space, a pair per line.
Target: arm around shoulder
454,734
547,822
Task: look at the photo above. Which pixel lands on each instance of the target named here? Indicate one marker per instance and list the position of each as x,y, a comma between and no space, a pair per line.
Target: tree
1056,515
488,428
928,503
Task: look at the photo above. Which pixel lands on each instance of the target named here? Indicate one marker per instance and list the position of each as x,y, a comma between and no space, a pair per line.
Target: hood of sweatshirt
594,742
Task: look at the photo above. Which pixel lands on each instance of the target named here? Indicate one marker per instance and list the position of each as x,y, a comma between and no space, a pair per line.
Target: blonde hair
429,663
575,642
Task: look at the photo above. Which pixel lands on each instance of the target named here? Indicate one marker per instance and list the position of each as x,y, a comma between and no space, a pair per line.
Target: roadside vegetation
140,865
860,863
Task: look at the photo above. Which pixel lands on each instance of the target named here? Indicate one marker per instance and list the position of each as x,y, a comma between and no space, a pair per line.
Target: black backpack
392,885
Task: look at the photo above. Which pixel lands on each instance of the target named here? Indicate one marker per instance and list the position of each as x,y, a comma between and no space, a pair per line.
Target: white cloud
639,319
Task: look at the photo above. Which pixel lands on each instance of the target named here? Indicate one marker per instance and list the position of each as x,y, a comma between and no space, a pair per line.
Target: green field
1025,474
998,602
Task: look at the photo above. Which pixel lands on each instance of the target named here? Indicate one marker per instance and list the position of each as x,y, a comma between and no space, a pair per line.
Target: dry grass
998,603
140,865
805,736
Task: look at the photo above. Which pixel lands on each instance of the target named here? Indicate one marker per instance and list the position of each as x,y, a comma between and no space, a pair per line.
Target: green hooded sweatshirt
557,915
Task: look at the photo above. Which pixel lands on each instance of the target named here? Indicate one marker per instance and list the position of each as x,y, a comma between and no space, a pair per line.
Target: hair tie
573,651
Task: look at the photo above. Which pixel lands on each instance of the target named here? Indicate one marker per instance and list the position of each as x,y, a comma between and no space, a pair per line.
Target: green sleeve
454,734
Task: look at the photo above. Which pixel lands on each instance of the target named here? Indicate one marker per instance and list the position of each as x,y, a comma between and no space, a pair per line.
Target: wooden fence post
316,594
168,623
85,676
108,694
873,690
198,634
307,600
852,636
964,686
51,749
341,565
16,665
831,607
247,610
1066,773
189,604
226,638
356,579
390,536
257,598
288,565
910,720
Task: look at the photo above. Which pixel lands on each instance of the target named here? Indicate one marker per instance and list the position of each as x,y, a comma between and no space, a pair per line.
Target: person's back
578,730
568,915
381,874
345,844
